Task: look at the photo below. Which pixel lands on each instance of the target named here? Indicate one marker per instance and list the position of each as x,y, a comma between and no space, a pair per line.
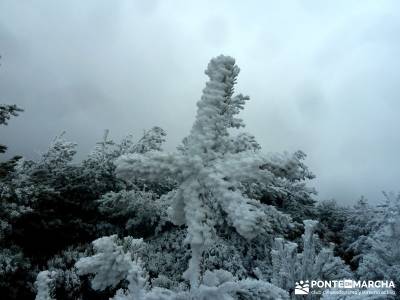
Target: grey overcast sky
323,77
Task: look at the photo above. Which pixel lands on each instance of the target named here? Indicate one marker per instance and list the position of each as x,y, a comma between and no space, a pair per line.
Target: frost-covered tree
38,214
332,219
58,155
134,211
100,164
66,283
245,142
41,185
361,220
6,112
314,262
210,170
15,202
151,140
13,265
382,259
289,192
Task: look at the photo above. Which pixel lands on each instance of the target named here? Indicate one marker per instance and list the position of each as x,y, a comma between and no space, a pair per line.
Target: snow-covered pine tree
332,219
210,171
6,112
314,262
151,140
58,155
382,259
361,220
100,164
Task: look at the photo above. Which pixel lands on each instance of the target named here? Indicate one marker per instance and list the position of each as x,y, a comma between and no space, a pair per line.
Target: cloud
322,78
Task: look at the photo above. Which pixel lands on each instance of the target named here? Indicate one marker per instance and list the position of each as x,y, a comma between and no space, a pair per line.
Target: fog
322,77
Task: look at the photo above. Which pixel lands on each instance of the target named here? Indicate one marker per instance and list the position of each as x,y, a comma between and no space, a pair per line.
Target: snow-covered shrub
11,260
313,263
166,254
66,281
45,285
111,263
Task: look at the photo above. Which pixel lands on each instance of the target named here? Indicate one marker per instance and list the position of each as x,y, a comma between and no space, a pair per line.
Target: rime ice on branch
210,167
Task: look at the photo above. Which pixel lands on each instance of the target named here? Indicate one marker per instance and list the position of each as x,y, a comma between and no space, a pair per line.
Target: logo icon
348,283
302,288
